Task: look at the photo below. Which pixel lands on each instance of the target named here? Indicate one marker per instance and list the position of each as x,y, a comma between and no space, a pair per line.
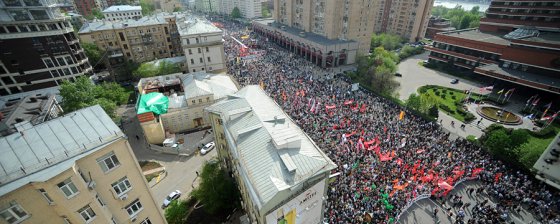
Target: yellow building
406,18
281,174
78,168
146,39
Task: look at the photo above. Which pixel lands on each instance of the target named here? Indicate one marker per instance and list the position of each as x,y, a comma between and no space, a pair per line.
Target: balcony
460,55
519,22
509,13
438,58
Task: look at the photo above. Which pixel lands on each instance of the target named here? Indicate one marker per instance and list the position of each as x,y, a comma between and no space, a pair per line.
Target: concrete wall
212,41
153,131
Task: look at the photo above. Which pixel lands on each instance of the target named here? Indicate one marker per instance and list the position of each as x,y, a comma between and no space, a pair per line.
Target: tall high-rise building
406,18
78,168
38,47
517,42
327,33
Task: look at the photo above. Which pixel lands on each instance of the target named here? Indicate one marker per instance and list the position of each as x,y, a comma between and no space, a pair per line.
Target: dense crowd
386,157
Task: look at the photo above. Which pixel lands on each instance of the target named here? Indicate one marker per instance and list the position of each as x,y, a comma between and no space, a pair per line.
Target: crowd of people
386,156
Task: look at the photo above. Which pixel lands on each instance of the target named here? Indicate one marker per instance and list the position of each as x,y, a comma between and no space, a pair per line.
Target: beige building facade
78,168
281,174
406,18
146,39
202,44
339,19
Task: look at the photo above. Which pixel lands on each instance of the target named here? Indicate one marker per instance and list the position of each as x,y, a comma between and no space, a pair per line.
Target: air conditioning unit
133,219
123,197
91,185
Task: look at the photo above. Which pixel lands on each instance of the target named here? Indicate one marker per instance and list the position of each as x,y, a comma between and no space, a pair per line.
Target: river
465,5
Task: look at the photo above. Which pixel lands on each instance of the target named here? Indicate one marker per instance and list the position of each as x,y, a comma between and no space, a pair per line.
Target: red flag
497,177
363,109
434,191
399,161
444,185
348,102
420,151
476,171
385,129
330,106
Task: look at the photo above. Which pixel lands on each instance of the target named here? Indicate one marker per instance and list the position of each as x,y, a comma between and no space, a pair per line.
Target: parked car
398,74
207,148
172,196
454,81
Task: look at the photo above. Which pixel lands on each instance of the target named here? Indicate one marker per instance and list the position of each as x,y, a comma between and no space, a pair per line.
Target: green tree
475,10
97,13
93,53
148,7
83,93
166,68
498,143
265,12
146,70
176,212
518,137
413,102
387,41
177,9
433,112
216,190
235,13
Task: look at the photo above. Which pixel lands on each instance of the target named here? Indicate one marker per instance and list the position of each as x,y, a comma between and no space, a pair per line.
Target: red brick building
85,7
518,41
438,25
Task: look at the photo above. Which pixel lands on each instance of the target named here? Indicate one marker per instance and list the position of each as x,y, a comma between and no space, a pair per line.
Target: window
200,59
87,213
48,62
66,220
192,61
60,61
134,208
199,51
121,186
108,162
197,41
190,51
188,41
146,221
68,188
193,101
207,50
99,200
14,214
46,196
200,100
209,59
207,99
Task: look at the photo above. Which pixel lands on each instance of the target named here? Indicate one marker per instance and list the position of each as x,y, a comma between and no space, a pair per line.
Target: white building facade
122,12
202,44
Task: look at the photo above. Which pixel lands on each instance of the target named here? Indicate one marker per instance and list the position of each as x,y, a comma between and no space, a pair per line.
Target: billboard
303,209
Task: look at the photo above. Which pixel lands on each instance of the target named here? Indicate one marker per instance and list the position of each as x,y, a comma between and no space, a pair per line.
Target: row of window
122,14
201,60
34,27
199,50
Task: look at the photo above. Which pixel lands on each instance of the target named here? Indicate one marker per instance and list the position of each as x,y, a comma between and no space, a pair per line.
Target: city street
181,170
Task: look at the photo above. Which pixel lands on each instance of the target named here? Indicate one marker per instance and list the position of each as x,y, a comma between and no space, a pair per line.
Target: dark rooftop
296,32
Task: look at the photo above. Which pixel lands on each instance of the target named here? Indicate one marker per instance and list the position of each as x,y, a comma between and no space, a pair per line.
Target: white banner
355,86
303,209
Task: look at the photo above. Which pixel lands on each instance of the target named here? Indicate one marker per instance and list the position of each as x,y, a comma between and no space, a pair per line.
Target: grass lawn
148,165
149,177
448,100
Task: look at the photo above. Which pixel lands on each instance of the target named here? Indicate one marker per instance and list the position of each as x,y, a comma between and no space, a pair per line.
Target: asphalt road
181,170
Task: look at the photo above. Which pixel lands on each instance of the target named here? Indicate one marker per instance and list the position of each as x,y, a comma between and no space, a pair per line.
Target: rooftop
122,8
550,172
294,31
110,25
274,154
475,34
173,60
202,83
34,109
38,153
189,25
532,77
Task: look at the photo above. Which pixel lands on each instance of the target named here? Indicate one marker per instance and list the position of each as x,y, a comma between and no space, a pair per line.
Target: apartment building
327,33
35,109
181,99
146,39
438,25
406,18
167,5
78,168
122,12
86,7
517,42
281,174
202,44
38,47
